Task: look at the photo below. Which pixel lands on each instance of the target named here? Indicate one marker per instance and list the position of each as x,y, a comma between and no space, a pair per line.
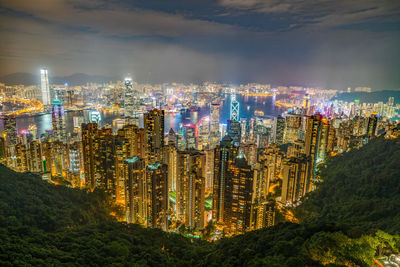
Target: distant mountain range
373,97
74,79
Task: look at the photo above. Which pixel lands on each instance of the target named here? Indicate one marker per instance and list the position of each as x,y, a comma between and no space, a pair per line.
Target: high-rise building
157,195
234,108
209,170
10,129
189,135
234,131
58,121
203,133
169,158
313,140
225,155
238,206
172,138
280,124
136,191
44,85
190,188
105,161
35,162
214,125
129,107
154,134
295,179
75,163
293,127
89,134
129,142
3,150
372,125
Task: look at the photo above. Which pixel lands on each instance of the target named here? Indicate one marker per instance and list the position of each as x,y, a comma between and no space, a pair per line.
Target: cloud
321,13
286,42
116,21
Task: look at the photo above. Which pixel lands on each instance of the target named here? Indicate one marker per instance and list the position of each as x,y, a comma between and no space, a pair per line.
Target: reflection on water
247,106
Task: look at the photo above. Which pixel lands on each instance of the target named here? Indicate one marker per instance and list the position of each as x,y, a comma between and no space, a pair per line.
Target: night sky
331,44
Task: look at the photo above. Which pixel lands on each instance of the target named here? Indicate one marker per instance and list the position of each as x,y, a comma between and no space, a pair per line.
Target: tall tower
135,190
214,125
10,129
157,195
58,122
154,134
190,188
234,131
225,155
44,85
128,101
234,108
89,134
238,207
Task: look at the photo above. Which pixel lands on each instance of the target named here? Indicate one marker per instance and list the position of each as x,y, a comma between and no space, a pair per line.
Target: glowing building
44,85
58,121
190,188
154,134
157,195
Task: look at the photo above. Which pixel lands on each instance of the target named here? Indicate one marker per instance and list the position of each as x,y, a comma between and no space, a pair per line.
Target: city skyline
329,45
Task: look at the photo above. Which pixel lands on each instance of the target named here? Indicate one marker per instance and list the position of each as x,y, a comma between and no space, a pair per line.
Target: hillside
43,224
360,189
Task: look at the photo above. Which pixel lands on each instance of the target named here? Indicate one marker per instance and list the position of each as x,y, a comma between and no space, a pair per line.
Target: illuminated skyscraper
10,129
214,125
372,124
234,131
189,136
172,138
58,122
154,134
234,108
241,184
89,134
44,85
35,162
129,142
313,140
75,163
225,155
129,108
157,195
105,161
293,127
190,188
295,179
135,190
279,130
169,158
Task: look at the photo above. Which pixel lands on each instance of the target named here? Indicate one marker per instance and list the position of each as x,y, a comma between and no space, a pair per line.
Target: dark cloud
321,43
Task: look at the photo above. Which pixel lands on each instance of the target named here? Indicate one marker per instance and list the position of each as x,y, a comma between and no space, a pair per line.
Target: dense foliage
360,189
43,224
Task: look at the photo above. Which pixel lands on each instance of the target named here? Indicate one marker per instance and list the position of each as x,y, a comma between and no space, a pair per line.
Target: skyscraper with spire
234,108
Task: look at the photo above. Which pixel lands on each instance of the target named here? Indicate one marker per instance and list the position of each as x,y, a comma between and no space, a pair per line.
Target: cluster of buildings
237,175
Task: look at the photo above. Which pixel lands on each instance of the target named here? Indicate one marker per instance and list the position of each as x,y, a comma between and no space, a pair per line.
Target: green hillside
42,224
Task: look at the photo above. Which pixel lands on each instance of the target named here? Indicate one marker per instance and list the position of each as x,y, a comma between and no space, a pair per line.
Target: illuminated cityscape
167,157
200,133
